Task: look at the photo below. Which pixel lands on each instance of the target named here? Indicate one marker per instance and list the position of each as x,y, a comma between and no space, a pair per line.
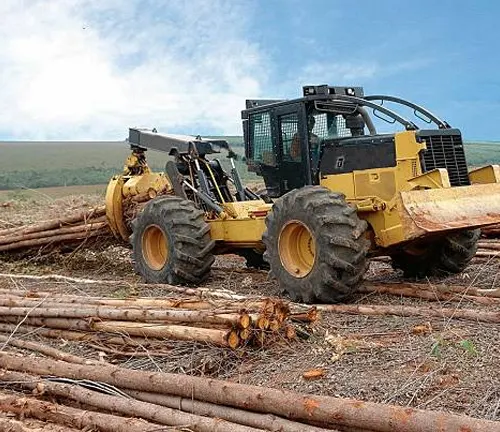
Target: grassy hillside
48,164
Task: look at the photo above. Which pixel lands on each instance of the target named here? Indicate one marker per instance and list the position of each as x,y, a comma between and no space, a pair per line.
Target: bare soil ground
434,363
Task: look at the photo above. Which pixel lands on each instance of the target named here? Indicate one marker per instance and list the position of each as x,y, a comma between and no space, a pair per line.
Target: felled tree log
128,407
74,335
55,223
270,308
373,310
486,253
446,289
320,410
267,422
424,293
25,244
94,225
204,293
222,338
168,315
43,349
73,417
233,310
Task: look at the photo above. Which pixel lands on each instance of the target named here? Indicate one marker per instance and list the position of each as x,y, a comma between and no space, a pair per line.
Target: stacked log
491,231
217,321
202,404
65,230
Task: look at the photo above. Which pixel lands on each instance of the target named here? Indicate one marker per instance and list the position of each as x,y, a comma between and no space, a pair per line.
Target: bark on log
158,331
457,289
198,292
73,417
144,330
166,315
91,225
218,306
44,349
124,406
55,223
427,294
55,277
76,336
322,410
490,246
54,239
487,254
374,310
260,421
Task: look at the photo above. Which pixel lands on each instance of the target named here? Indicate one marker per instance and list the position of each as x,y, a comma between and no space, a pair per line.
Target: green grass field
33,165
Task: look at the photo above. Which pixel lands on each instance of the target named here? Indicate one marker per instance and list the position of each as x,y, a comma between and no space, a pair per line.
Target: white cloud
75,69
355,73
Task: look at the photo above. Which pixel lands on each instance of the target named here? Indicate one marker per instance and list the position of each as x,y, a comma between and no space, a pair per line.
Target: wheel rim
155,247
297,249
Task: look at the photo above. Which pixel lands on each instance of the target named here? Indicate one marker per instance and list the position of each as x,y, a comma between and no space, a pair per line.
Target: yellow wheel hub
155,247
297,249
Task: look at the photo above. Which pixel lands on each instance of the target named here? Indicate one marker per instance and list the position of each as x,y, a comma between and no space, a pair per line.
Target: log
324,411
260,421
44,349
55,277
15,297
98,224
75,336
374,310
158,331
487,253
491,246
426,293
54,239
166,315
124,406
73,417
467,290
55,223
198,292
144,330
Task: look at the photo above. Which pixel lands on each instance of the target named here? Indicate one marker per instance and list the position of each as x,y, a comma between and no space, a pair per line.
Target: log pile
224,323
153,400
68,229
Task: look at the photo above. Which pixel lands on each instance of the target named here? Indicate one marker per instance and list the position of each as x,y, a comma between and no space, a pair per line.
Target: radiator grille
446,150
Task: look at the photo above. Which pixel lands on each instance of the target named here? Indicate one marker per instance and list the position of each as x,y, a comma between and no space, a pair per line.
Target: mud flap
438,210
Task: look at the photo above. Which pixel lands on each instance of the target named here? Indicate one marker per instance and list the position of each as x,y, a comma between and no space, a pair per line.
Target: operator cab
293,143
285,139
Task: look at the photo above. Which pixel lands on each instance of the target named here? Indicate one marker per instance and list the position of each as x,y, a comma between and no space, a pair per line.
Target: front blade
436,210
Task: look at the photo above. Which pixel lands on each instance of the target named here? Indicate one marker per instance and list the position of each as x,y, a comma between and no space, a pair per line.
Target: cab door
290,134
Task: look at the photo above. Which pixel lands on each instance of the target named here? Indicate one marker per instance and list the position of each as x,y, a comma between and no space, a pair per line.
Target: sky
89,69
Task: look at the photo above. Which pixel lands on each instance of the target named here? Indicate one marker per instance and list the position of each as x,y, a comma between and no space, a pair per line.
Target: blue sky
88,69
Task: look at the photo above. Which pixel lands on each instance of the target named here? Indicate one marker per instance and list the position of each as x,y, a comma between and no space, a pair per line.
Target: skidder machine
337,193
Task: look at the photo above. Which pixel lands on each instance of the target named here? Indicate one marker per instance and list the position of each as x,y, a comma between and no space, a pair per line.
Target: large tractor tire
315,245
171,242
445,256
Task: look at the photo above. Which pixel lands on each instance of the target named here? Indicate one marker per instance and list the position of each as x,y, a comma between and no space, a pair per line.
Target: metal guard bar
440,123
409,125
